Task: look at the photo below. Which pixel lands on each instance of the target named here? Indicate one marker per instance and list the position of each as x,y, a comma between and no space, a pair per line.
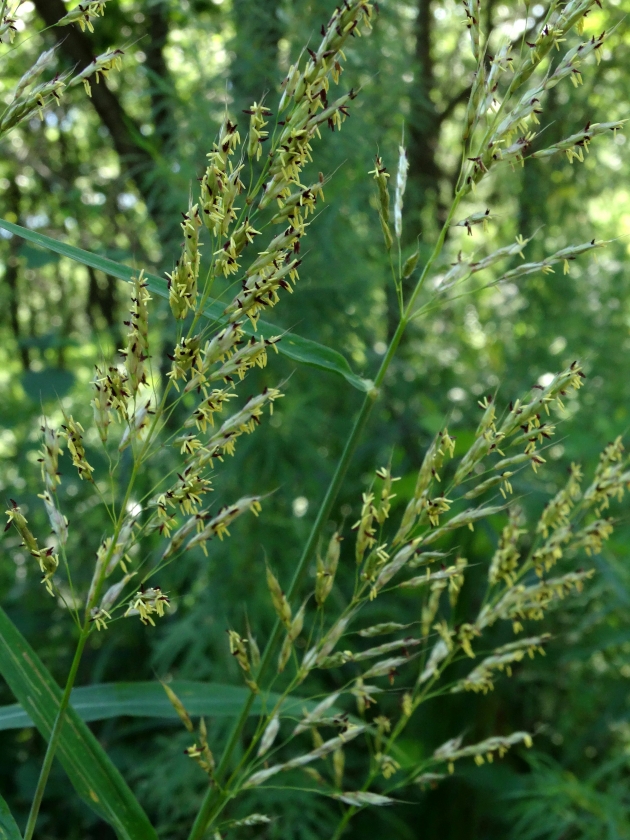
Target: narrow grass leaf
148,700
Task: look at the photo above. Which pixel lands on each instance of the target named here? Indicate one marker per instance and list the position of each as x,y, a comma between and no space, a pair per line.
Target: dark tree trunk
159,76
424,126
135,157
13,199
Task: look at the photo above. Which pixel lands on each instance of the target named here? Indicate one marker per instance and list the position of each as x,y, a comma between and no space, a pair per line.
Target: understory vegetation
314,400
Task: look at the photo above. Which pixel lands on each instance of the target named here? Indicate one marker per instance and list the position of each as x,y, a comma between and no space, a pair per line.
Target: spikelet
452,750
137,350
58,521
278,599
505,559
73,432
257,123
217,525
401,185
147,603
239,651
327,569
83,14
46,557
51,450
182,282
380,176
98,69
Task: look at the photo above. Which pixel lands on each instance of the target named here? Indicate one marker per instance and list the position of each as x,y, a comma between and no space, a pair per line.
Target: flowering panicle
509,138
257,123
29,97
58,521
218,525
83,14
33,102
481,752
327,569
146,603
223,441
207,366
612,477
182,282
576,146
98,68
401,185
522,602
136,425
365,528
239,651
481,678
276,266
186,494
380,176
328,747
112,394
8,26
505,559
200,751
73,432
442,447
46,557
462,269
293,631
51,450
136,352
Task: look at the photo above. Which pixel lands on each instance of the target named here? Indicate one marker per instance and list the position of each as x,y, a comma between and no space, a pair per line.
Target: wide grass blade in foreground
91,772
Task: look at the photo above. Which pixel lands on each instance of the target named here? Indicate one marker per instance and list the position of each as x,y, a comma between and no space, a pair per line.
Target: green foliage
74,178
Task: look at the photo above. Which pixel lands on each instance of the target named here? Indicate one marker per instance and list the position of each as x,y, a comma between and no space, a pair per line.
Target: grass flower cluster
245,223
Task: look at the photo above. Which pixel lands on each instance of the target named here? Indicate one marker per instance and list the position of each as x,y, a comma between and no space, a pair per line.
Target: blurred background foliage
112,175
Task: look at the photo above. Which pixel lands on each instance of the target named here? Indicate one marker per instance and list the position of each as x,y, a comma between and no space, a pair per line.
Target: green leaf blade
148,700
299,349
8,826
92,774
